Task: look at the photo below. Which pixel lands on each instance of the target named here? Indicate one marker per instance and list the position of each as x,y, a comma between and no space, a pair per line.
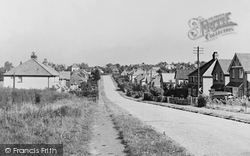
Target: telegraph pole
198,51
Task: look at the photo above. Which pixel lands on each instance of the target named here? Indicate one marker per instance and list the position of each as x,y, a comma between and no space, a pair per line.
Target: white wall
227,79
31,82
207,83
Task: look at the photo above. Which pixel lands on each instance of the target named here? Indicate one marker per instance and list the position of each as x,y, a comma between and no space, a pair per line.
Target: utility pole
198,51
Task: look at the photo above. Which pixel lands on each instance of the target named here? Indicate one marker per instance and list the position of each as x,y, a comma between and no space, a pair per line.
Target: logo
210,28
7,150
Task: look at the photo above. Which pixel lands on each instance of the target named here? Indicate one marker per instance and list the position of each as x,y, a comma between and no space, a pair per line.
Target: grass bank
141,139
66,121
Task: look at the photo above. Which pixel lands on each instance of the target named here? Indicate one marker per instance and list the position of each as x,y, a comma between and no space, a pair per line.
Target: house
239,71
206,79
157,81
181,76
64,78
77,78
220,75
31,74
124,73
75,68
140,79
168,78
134,73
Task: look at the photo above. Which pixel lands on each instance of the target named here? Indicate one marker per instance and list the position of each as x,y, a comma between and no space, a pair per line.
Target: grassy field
64,121
140,139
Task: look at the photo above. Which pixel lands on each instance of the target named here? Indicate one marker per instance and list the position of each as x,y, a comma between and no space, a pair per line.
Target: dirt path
105,140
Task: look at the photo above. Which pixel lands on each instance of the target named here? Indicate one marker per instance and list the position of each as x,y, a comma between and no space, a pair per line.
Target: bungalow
220,75
239,70
31,74
206,79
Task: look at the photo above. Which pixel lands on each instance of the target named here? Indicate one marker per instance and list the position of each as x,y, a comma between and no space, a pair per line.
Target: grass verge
139,138
66,122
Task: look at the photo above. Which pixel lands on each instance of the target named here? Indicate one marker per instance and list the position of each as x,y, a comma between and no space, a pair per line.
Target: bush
202,102
147,96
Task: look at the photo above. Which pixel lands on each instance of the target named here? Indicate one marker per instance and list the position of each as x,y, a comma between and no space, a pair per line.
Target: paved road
199,134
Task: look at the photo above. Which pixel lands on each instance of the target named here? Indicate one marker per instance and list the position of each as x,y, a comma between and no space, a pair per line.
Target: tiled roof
138,72
140,77
203,68
167,77
65,75
244,59
182,74
32,67
224,64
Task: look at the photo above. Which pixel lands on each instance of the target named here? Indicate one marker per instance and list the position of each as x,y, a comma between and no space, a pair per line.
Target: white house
31,74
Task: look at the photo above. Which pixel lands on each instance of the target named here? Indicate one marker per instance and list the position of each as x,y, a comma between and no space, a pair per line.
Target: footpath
105,140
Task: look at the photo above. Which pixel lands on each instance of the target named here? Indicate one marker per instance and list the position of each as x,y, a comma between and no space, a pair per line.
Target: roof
244,59
140,77
77,78
138,72
182,74
65,75
203,68
124,73
224,64
217,86
167,77
234,84
32,67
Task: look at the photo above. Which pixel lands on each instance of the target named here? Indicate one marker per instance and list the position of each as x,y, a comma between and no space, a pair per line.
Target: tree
8,66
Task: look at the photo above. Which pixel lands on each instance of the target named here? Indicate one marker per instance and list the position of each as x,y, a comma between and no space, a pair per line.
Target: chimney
215,55
45,62
33,56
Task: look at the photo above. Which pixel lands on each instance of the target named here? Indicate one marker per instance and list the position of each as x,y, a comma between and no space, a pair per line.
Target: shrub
202,102
147,96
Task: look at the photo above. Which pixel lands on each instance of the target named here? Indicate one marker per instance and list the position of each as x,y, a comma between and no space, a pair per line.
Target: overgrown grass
141,139
66,122
8,96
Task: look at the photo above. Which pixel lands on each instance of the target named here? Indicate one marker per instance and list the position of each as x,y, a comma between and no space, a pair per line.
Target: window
221,76
216,77
233,73
196,79
19,79
240,73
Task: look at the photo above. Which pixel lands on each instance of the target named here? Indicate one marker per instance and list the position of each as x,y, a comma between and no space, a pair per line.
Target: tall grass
8,96
58,119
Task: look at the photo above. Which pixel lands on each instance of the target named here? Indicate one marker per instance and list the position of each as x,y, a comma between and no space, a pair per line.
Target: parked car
222,95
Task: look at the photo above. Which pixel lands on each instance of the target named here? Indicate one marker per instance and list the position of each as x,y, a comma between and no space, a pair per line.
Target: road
199,134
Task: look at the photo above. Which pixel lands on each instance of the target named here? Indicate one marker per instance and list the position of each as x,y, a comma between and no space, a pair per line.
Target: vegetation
56,118
141,139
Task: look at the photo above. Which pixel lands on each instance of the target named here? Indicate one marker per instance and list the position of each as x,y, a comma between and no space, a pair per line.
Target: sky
99,32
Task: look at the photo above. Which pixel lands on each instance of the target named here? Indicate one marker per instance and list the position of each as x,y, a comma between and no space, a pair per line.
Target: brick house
206,79
220,75
239,70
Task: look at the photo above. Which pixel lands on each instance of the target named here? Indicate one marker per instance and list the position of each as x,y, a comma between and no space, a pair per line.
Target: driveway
199,134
